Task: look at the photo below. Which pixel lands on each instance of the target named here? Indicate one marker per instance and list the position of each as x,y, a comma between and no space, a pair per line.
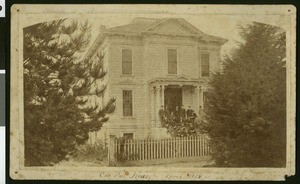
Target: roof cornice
196,34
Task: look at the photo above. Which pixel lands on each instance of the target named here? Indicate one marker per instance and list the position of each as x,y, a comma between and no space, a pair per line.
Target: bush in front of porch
180,125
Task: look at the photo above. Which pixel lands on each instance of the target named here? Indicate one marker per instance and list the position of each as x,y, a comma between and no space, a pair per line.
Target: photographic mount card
152,92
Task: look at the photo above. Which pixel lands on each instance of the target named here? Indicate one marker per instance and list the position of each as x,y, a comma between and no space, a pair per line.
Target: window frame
122,62
132,102
128,134
201,64
172,48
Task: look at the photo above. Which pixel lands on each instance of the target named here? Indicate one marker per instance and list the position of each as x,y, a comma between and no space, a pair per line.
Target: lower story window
127,103
128,135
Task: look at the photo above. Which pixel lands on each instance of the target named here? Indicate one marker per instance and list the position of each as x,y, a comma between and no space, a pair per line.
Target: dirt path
73,163
202,162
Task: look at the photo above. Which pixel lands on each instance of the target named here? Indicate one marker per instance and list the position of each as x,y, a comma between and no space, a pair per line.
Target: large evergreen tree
59,89
246,106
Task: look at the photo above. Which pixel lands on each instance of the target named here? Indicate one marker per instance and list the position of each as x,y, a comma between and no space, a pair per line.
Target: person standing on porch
162,112
177,114
189,112
182,112
201,114
168,111
172,116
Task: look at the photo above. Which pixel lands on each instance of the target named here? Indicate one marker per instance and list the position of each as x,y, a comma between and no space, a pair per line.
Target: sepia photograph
152,92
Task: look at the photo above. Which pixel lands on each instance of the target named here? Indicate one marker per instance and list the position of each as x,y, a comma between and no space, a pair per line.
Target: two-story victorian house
153,63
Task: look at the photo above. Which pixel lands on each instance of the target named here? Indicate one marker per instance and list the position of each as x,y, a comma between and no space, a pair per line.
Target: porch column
197,91
163,95
152,105
161,103
157,103
201,98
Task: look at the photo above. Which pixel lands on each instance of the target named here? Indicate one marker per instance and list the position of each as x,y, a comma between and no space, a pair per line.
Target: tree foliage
59,90
246,105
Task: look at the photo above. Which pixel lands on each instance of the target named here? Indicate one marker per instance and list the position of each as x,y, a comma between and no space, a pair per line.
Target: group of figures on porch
179,114
182,122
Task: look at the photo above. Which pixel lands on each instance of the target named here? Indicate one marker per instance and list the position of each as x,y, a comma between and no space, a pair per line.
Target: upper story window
172,61
127,62
204,65
127,103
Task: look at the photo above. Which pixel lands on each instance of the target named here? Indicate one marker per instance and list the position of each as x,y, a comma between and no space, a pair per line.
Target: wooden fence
159,149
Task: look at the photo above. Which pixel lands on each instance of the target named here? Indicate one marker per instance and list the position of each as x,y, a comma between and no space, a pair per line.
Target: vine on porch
178,124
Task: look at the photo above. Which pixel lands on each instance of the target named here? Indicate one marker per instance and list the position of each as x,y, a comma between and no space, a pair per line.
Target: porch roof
177,80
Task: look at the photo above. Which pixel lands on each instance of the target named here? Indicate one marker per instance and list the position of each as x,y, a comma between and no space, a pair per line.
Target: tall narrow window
172,61
127,103
127,62
205,65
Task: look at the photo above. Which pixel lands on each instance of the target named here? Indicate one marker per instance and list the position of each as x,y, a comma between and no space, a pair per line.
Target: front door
173,98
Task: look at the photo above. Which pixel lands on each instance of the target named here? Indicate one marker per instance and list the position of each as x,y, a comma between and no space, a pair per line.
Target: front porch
172,93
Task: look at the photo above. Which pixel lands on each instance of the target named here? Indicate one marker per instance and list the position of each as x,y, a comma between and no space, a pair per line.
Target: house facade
152,63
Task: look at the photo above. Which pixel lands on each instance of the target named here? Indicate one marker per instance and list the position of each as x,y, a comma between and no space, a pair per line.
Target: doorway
173,98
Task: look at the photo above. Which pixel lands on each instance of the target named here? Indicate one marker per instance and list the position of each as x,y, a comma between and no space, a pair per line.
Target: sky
217,25
221,21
